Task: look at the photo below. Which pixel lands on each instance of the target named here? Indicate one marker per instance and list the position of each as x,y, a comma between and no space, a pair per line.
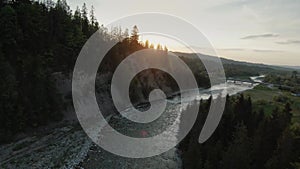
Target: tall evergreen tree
238,154
134,35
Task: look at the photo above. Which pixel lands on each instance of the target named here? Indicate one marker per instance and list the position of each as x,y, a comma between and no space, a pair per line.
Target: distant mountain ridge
290,67
226,61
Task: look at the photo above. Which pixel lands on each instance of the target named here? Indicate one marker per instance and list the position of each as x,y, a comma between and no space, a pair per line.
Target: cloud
266,35
251,50
266,50
289,42
232,49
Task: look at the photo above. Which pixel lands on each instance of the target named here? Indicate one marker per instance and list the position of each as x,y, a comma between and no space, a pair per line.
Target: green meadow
267,99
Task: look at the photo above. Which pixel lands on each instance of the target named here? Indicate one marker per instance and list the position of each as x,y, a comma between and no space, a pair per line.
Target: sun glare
158,40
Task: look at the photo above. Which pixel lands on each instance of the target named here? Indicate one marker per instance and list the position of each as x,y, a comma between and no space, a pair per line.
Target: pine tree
8,31
283,155
9,107
151,46
166,49
85,21
158,47
92,16
134,35
147,44
238,154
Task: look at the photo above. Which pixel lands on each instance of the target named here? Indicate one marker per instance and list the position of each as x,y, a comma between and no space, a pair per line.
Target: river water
66,146
99,158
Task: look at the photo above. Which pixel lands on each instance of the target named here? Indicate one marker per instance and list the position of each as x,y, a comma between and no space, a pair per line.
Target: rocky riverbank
63,147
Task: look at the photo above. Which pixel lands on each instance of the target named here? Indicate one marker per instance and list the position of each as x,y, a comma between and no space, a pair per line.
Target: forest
41,39
37,40
245,138
288,81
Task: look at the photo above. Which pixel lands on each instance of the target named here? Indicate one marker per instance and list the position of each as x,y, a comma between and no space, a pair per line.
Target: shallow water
68,145
99,158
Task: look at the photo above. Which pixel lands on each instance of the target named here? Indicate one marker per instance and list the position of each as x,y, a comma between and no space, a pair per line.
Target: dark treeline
244,139
235,70
289,81
147,80
41,39
36,40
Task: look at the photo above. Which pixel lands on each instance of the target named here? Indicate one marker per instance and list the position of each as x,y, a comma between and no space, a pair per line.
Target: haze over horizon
245,30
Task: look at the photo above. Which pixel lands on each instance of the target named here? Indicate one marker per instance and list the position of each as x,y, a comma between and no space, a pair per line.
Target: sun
159,40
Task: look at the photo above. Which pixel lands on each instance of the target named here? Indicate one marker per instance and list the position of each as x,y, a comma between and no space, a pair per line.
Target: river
99,158
67,145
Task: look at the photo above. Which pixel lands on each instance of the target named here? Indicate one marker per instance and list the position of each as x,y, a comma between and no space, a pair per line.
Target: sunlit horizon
174,46
252,31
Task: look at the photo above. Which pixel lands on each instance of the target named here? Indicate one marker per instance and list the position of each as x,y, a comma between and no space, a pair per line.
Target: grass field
267,99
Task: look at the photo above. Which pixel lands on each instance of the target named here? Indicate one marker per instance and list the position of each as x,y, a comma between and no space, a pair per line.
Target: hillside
239,68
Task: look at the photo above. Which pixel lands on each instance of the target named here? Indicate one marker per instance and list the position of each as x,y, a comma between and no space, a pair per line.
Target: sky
259,31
